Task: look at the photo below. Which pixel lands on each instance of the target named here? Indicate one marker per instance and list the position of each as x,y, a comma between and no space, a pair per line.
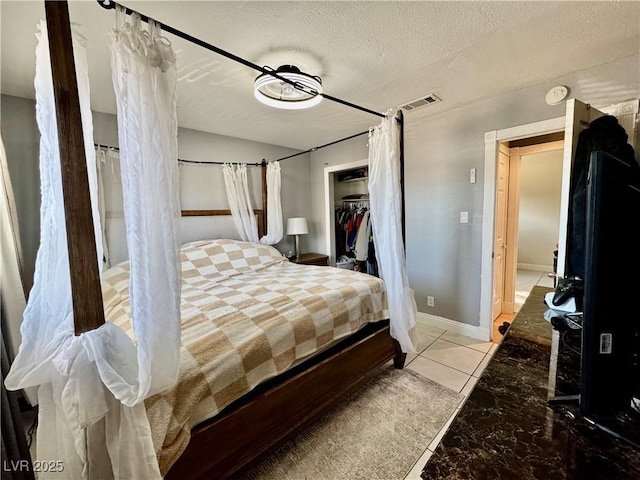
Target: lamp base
297,250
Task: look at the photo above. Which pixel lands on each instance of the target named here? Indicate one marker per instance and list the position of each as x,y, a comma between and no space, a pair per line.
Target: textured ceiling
375,54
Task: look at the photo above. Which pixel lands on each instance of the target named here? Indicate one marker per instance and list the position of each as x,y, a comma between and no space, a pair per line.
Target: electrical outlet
430,301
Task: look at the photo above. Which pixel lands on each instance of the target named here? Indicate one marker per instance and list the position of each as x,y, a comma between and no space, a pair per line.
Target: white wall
539,209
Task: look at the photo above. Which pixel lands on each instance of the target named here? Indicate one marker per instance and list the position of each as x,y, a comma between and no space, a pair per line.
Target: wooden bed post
88,310
400,118
264,196
400,357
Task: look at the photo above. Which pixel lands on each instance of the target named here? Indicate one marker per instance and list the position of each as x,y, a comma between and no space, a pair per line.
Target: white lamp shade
297,226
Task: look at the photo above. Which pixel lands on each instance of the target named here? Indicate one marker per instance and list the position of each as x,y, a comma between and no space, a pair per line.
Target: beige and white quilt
248,314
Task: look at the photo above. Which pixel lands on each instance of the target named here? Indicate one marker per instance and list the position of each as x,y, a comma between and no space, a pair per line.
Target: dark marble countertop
506,428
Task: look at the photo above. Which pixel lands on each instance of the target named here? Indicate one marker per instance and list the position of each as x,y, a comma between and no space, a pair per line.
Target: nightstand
311,259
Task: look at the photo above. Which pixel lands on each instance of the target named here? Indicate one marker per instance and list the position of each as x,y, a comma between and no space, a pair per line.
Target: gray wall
21,140
340,153
202,187
443,255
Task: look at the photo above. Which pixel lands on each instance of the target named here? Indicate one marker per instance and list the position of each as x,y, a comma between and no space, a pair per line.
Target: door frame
513,214
492,139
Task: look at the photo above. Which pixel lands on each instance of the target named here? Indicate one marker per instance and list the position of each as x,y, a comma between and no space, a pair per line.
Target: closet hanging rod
110,4
202,162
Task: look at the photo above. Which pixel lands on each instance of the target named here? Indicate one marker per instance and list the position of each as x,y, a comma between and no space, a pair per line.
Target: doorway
578,116
527,214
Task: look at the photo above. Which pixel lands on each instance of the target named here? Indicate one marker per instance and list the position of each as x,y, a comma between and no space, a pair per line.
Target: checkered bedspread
248,314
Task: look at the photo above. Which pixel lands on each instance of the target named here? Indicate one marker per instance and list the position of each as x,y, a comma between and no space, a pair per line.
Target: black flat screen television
610,354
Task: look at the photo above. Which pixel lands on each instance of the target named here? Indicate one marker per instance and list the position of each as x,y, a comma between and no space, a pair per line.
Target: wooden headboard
223,213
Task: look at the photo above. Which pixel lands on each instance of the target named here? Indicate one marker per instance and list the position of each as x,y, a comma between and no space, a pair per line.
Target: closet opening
349,237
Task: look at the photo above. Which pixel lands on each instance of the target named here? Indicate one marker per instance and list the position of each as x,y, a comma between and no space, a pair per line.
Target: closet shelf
353,175
356,197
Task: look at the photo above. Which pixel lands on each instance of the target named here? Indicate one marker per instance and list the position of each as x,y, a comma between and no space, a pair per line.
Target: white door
502,183
578,117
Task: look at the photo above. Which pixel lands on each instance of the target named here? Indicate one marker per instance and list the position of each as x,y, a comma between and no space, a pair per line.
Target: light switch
464,217
472,175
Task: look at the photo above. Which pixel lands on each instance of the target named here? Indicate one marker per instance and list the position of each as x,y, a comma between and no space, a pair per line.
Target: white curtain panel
235,181
385,197
101,161
144,79
237,186
97,381
275,227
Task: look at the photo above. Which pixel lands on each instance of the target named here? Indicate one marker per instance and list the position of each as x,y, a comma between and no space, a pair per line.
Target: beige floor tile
424,340
455,356
445,376
467,341
526,279
429,329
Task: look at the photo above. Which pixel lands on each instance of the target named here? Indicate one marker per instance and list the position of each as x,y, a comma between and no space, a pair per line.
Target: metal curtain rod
399,120
110,4
313,149
182,160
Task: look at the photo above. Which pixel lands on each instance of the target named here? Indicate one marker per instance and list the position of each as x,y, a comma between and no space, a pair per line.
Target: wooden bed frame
263,419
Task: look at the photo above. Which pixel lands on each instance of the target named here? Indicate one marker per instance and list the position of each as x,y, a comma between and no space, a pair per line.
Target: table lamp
297,226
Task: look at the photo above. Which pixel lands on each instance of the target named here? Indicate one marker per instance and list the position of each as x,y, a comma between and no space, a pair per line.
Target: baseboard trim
535,267
454,327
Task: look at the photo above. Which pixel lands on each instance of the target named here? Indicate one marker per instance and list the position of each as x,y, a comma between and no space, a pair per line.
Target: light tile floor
457,361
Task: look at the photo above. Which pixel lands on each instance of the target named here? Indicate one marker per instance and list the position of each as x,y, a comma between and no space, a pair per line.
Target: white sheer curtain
103,157
235,180
275,228
96,382
144,78
385,199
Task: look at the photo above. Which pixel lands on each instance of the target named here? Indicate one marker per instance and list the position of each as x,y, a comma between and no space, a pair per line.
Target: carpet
376,433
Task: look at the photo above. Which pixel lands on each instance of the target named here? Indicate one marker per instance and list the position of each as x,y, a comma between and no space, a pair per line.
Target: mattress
248,314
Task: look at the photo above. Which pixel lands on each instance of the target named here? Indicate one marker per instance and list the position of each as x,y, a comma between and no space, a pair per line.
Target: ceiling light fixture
305,93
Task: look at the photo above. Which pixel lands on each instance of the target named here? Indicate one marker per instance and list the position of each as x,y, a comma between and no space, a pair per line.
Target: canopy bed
338,327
